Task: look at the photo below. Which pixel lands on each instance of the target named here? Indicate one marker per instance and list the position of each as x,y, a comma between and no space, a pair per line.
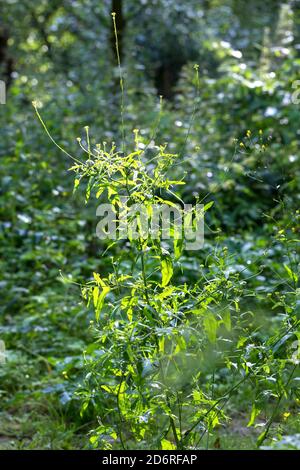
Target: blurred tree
255,20
296,30
6,61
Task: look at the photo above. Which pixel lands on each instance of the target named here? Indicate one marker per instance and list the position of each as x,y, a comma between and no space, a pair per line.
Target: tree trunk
6,62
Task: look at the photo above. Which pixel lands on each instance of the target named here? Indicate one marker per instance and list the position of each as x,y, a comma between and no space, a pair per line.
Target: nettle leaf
210,326
166,270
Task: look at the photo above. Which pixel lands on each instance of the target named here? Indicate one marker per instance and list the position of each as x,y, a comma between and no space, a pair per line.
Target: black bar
135,458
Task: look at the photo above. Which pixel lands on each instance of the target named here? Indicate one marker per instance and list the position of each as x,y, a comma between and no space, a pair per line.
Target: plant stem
265,435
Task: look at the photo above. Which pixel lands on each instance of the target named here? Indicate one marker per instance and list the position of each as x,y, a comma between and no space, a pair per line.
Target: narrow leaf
166,271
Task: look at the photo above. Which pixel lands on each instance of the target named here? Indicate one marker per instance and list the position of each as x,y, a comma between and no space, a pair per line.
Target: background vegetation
233,349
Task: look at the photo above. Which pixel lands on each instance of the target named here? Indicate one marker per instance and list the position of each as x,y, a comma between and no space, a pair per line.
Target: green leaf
293,276
254,413
261,438
227,320
166,270
98,280
88,189
282,341
210,326
181,344
161,344
178,247
208,205
93,439
129,314
213,419
95,296
197,396
122,398
99,192
107,389
111,192
76,184
167,445
98,299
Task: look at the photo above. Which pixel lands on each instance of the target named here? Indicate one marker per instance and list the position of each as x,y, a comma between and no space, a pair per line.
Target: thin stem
195,110
50,136
145,277
172,422
265,435
120,416
121,79
173,427
214,406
